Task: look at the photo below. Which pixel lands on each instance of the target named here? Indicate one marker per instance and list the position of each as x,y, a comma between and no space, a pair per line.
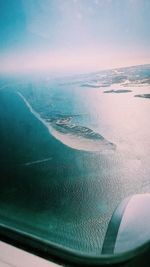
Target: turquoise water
69,153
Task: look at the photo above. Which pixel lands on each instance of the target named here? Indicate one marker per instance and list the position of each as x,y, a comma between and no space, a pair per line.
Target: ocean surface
70,150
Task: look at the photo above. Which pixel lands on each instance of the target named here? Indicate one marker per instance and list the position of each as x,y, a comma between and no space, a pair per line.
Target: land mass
117,91
143,95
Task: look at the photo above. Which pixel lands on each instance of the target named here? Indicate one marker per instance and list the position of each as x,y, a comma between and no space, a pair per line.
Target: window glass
74,116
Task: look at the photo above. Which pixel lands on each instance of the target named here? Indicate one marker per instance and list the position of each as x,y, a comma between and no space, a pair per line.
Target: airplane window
75,128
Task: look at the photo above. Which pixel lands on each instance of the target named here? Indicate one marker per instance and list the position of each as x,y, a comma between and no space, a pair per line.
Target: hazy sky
70,36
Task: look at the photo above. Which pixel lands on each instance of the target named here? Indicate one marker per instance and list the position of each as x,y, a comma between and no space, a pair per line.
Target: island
117,91
143,96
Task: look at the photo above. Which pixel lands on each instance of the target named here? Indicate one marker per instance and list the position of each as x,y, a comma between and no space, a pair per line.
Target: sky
73,36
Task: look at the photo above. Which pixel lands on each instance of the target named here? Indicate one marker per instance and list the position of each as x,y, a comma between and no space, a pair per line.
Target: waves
74,136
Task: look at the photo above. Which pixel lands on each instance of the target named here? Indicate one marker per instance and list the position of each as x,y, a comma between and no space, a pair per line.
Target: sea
71,149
